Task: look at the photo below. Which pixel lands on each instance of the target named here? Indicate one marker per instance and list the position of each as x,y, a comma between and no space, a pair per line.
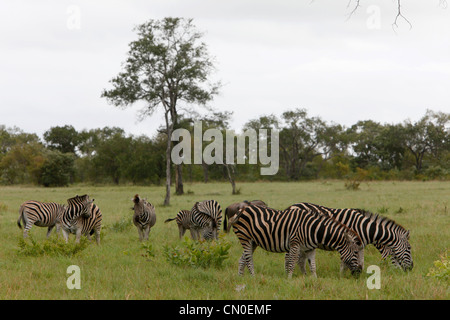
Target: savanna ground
120,268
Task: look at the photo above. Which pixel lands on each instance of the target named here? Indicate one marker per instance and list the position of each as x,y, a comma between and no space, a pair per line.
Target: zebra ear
407,235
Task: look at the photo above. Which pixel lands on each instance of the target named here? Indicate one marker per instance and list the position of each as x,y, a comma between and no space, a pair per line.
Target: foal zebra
40,214
293,230
144,217
204,226
200,212
388,237
71,220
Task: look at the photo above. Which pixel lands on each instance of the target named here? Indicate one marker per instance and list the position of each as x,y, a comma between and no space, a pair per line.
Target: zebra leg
247,258
302,261
65,235
181,231
141,234
146,233
292,257
49,230
78,236
195,233
27,228
342,268
311,256
58,229
241,264
97,235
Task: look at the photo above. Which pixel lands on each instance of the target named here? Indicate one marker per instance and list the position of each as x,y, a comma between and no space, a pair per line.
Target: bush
148,250
57,170
196,254
55,246
121,225
441,269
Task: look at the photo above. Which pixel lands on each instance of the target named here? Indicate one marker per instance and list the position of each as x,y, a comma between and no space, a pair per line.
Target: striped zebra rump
183,219
144,217
41,214
388,237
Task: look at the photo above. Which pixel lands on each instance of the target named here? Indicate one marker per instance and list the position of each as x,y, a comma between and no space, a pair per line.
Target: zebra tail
225,221
21,217
236,217
168,220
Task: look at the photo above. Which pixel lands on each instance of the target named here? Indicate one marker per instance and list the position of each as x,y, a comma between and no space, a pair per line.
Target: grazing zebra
209,208
293,230
144,217
388,237
71,220
40,214
184,220
232,209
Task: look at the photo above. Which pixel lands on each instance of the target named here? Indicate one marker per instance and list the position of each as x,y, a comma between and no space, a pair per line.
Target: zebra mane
317,213
379,218
77,199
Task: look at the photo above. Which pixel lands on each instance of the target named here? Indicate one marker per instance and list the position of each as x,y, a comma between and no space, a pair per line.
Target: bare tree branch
357,5
400,15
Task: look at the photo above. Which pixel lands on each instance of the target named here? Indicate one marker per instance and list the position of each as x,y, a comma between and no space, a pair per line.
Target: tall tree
166,65
64,139
301,140
428,135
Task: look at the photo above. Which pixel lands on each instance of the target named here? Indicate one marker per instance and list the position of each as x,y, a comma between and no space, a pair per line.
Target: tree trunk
231,178
169,127
178,180
205,172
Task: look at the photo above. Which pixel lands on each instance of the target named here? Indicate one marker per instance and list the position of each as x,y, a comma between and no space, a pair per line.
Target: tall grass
124,268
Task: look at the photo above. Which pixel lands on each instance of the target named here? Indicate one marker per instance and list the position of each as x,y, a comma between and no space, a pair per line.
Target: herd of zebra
297,231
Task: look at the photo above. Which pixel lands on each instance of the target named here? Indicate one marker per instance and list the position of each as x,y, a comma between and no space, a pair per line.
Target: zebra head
353,255
86,211
81,206
210,231
400,251
138,204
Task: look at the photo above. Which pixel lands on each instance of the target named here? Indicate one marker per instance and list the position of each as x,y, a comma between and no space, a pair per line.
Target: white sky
58,56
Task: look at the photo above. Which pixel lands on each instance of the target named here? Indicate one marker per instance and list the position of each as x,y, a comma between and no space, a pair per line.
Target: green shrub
196,254
55,246
120,225
148,249
441,269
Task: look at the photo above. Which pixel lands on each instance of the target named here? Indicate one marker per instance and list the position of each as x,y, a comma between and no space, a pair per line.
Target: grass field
120,269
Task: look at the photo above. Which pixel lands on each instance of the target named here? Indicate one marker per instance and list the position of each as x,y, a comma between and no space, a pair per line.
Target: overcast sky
271,56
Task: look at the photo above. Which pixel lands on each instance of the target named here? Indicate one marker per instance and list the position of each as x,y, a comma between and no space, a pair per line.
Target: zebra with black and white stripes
91,225
41,214
199,215
144,217
183,219
71,220
390,238
203,226
293,230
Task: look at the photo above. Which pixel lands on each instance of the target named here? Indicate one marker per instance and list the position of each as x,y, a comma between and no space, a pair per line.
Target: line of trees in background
310,148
